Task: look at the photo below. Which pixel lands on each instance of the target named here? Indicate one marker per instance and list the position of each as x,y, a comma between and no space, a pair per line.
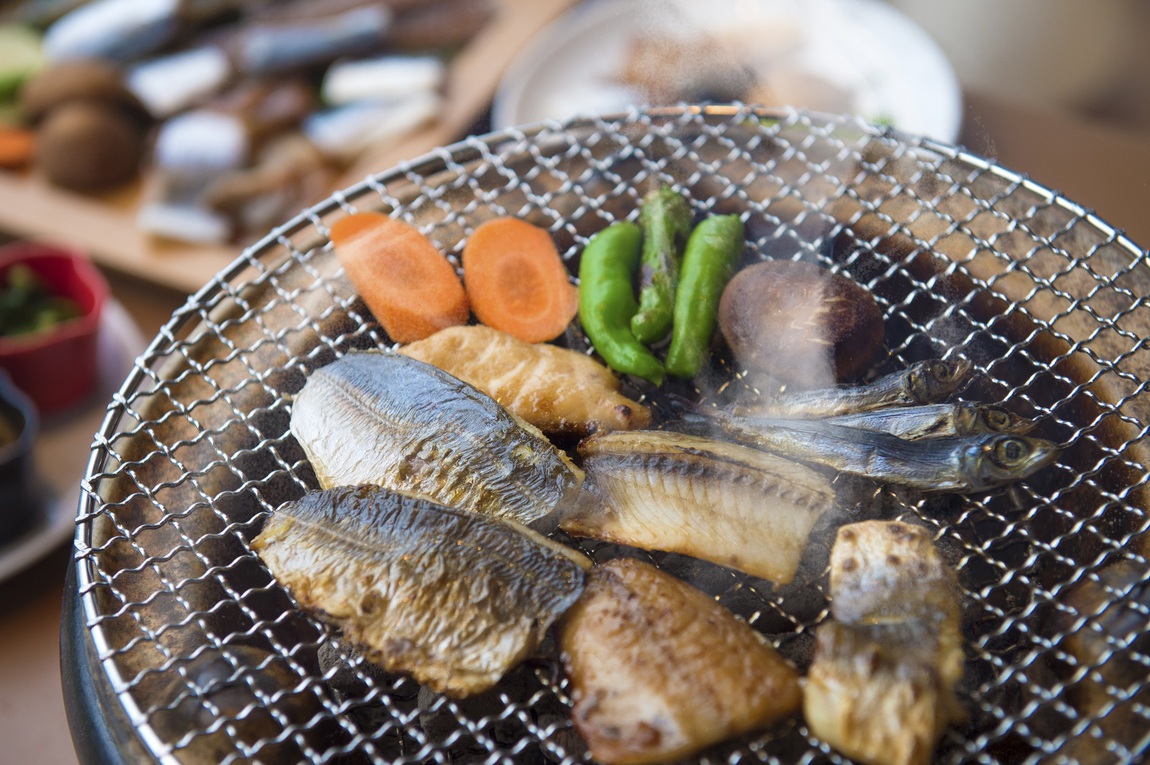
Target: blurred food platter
107,223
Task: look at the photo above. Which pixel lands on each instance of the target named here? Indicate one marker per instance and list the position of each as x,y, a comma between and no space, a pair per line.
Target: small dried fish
728,504
936,420
952,463
881,686
382,418
659,670
926,382
454,598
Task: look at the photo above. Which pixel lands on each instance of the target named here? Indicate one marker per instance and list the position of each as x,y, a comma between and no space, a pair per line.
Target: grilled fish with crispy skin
881,686
659,670
452,597
558,390
721,502
381,418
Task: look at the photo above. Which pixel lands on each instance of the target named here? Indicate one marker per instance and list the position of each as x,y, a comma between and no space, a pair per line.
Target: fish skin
728,504
383,418
936,420
453,598
660,671
979,462
925,382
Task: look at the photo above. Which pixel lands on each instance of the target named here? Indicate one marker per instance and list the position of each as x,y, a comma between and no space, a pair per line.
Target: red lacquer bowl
57,367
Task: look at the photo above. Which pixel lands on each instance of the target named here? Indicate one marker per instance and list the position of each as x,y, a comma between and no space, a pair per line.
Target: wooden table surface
1102,168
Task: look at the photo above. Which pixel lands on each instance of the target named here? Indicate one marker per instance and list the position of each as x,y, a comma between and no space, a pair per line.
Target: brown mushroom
88,145
87,79
800,323
90,129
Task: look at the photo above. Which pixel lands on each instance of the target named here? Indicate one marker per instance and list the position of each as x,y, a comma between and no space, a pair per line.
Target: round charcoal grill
181,648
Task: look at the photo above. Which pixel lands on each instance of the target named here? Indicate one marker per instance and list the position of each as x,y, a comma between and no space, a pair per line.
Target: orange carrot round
516,281
405,281
17,145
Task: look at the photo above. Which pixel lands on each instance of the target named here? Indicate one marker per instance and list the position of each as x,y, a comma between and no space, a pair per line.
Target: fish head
1004,458
937,379
995,419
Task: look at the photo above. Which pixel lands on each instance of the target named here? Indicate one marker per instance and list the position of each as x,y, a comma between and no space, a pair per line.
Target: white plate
891,68
64,445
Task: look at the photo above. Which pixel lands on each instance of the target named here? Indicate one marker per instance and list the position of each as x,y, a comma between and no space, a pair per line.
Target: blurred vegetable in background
220,80
27,306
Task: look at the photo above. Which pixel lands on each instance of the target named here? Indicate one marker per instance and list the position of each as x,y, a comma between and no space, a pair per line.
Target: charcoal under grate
201,657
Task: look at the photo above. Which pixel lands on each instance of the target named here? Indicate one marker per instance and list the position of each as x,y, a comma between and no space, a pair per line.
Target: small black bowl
19,426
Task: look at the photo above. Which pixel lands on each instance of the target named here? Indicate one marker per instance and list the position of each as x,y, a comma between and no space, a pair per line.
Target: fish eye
930,374
1010,450
940,369
997,418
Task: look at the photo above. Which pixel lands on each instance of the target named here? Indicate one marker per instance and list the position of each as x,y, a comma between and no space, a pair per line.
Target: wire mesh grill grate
210,661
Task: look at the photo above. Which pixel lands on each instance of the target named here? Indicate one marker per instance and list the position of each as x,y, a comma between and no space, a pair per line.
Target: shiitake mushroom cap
800,323
88,145
78,80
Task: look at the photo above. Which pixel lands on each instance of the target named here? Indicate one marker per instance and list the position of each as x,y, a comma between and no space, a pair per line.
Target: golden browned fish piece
452,597
558,390
660,671
721,502
881,686
386,419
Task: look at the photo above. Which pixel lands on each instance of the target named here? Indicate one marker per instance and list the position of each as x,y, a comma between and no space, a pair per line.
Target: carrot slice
405,281
516,281
17,145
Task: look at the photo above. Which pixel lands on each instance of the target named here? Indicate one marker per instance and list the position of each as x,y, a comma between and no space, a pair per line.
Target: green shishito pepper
607,300
709,262
665,218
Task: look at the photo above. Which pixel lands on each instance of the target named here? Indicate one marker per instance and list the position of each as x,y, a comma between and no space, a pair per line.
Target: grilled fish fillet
881,686
381,418
558,390
659,670
721,502
452,597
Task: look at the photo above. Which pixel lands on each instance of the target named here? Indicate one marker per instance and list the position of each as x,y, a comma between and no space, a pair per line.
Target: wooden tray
105,225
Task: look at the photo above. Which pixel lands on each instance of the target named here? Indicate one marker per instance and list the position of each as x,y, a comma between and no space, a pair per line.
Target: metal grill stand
181,647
